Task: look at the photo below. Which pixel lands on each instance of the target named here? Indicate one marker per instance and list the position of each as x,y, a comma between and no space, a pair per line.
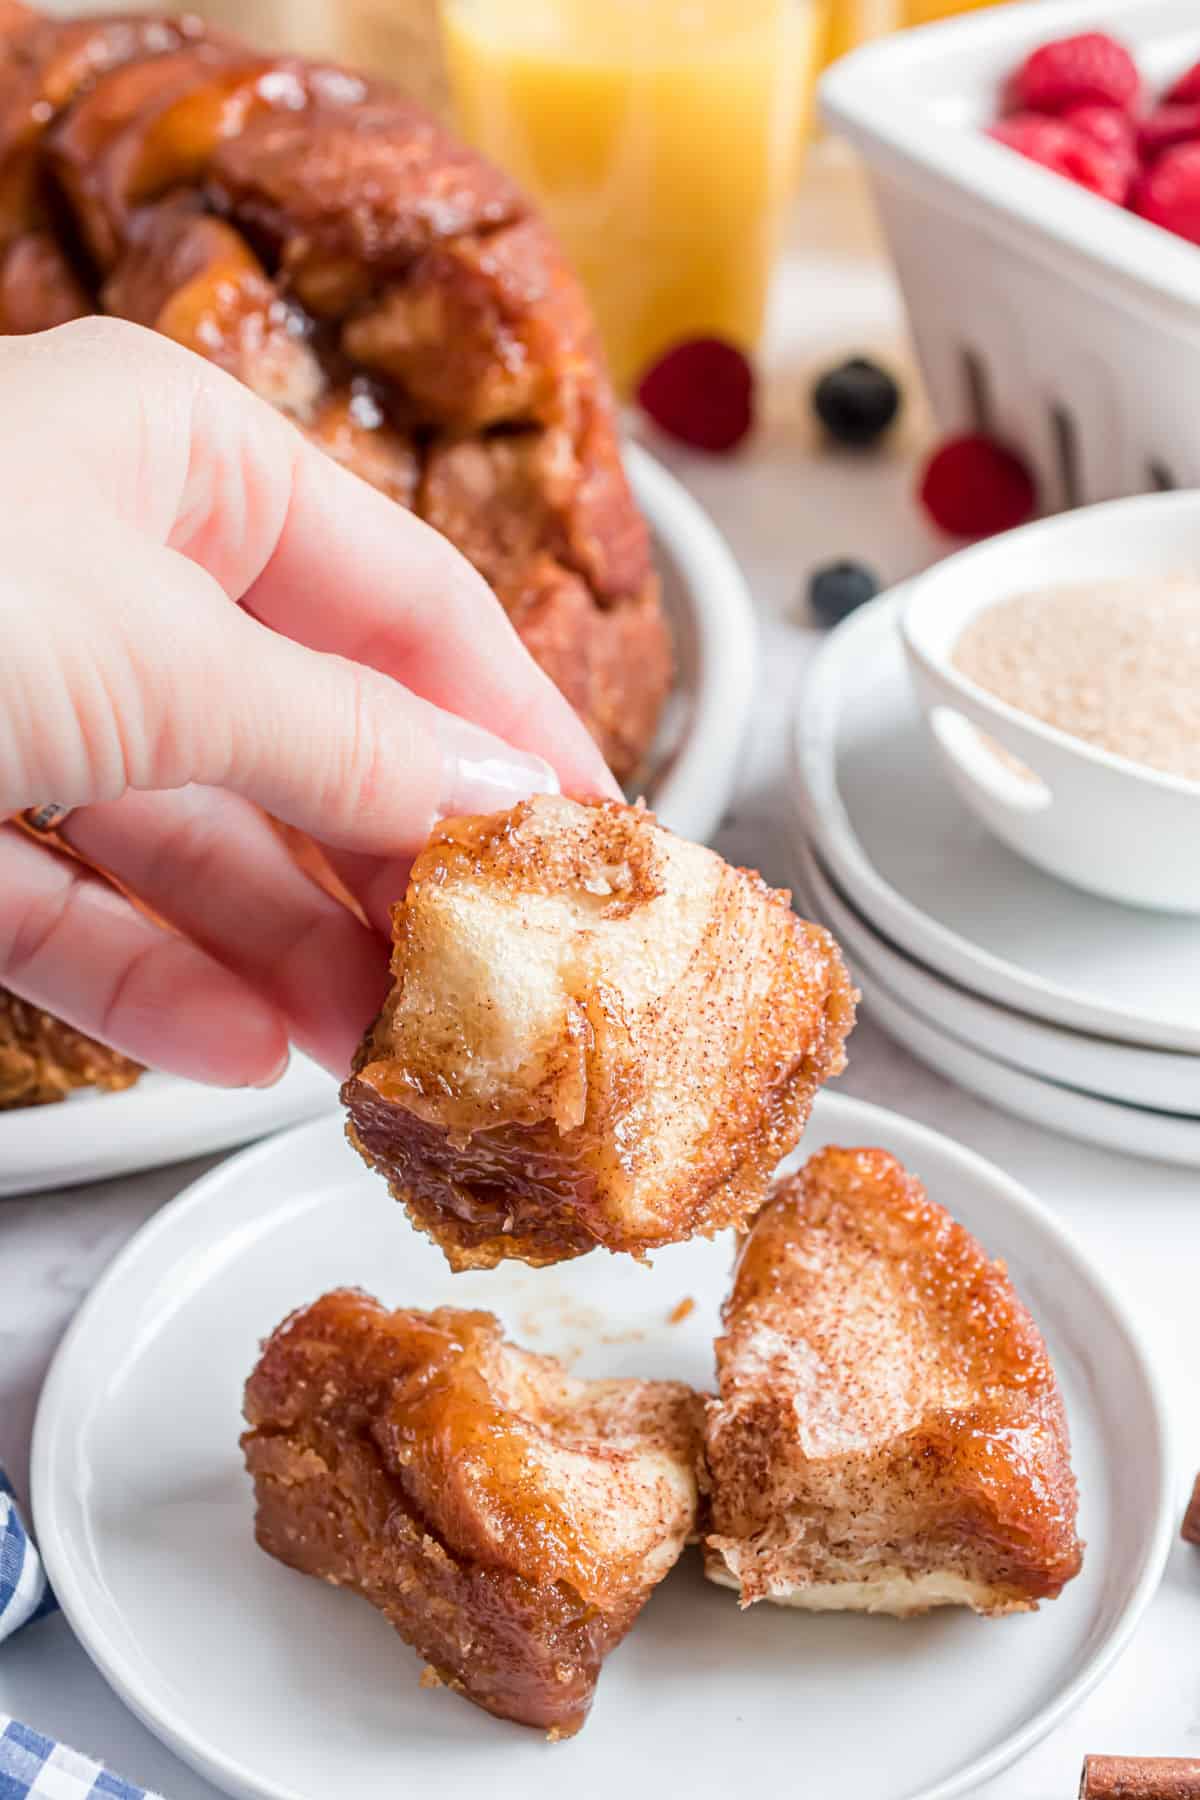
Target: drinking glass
661,139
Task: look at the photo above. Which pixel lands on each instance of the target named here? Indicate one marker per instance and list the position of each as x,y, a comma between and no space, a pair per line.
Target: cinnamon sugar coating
508,1520
597,1034
43,1060
889,1433
320,237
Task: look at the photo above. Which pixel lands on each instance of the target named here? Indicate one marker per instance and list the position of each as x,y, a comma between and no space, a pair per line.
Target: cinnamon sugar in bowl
1074,646
1116,663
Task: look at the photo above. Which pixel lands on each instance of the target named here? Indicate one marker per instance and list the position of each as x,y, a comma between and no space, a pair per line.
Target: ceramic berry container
1042,314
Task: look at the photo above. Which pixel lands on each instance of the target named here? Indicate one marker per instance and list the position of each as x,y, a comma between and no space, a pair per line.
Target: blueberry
856,402
836,590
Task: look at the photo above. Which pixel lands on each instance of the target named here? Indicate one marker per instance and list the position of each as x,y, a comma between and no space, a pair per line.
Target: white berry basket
1043,314
1092,818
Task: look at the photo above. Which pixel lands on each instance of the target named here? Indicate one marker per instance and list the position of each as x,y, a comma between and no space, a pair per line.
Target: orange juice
660,137
923,12
852,22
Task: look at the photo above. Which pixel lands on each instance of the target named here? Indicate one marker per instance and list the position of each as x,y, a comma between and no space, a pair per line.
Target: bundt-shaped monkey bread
340,252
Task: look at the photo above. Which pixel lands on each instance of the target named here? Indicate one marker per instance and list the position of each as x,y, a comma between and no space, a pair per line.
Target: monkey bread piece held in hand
334,247
507,1519
43,1060
597,1034
889,1434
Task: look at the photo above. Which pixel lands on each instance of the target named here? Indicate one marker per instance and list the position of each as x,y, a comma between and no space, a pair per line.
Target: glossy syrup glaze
509,1521
597,1034
888,1410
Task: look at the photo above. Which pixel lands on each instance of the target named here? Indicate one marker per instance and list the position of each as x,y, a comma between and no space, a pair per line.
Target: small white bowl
1099,821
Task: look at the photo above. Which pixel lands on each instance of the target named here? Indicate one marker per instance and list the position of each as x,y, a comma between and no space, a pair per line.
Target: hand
202,616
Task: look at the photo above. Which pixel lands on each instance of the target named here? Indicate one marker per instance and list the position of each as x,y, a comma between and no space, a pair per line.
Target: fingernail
483,774
277,1074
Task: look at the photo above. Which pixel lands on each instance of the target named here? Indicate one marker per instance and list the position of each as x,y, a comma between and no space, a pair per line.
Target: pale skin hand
202,616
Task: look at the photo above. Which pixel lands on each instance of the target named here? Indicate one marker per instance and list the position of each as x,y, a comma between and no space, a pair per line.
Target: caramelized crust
192,278
320,237
509,1521
14,20
43,1060
352,426
366,176
589,654
38,287
508,300
44,64
148,127
889,1434
506,501
598,1034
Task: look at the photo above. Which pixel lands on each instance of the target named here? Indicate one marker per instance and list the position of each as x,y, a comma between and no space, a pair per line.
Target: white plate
690,774
688,782
1122,1072
280,1688
160,1119
914,861
1132,1130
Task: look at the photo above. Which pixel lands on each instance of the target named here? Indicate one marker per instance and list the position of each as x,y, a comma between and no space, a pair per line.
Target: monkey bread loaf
43,1060
335,248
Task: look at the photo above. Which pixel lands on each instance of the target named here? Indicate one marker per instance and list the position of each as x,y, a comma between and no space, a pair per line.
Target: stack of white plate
1076,1012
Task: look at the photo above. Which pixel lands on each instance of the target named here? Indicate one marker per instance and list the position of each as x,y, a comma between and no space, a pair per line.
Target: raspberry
1168,192
1088,70
973,486
1167,126
1186,89
1112,130
700,391
1065,150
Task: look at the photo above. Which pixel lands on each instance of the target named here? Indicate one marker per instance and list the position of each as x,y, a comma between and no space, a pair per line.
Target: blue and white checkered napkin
24,1594
33,1767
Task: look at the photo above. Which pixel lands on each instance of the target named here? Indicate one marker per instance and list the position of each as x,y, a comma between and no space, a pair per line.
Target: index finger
192,458
353,573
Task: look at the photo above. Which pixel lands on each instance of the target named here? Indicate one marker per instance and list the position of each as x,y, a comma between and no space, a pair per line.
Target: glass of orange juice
661,139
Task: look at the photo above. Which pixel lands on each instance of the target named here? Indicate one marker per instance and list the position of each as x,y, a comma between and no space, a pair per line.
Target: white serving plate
1132,1130
691,770
1111,826
1123,1072
688,782
161,1119
1070,326
280,1688
888,825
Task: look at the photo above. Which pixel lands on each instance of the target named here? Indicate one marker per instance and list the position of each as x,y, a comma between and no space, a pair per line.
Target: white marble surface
784,510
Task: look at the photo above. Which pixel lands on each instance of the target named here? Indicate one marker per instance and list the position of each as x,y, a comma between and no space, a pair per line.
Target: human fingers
161,682
411,606
214,867
187,456
71,943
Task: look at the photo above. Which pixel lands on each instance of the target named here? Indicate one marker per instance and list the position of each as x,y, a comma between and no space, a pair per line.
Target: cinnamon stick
1191,1518
1140,1778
